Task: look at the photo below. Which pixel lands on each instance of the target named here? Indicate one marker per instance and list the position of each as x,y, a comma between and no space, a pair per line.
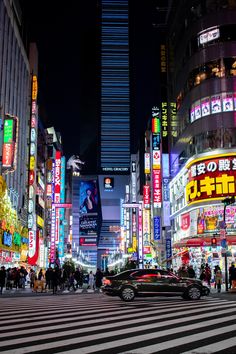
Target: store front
198,214
14,242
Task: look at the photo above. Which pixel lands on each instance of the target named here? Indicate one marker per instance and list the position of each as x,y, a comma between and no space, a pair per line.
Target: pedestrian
91,280
77,277
48,277
54,281
98,278
191,272
40,275
32,276
232,276
208,274
218,279
71,282
182,272
2,278
231,270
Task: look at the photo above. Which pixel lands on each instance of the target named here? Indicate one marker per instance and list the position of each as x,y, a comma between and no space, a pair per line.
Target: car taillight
106,281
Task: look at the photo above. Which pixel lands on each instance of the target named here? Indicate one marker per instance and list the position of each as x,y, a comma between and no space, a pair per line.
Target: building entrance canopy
203,241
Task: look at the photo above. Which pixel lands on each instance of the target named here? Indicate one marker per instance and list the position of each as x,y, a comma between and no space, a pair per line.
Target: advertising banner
157,188
146,196
88,224
88,197
157,228
211,178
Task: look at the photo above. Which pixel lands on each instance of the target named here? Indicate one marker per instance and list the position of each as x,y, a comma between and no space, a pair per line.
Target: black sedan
152,282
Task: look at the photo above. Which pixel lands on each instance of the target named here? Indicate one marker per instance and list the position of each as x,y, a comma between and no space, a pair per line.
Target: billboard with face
88,197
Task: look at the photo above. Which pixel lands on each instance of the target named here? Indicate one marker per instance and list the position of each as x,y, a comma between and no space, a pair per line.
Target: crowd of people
54,279
12,277
208,275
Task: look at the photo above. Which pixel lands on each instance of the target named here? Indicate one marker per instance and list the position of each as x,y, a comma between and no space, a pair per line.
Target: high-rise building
15,89
115,86
201,78
114,117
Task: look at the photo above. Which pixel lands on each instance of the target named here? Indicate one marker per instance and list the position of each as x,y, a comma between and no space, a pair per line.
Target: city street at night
94,323
118,176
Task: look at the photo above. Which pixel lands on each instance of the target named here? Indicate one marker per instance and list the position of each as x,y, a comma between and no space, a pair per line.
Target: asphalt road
95,323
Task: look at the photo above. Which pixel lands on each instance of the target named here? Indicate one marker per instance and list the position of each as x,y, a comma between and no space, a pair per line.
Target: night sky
65,34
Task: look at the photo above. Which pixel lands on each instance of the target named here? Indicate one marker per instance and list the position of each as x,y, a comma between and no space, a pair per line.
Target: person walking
231,272
2,279
77,277
232,276
91,280
54,281
183,273
40,275
71,282
98,278
208,274
191,272
33,277
48,277
219,278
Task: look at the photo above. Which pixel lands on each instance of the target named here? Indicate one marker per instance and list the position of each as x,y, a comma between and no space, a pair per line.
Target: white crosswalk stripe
94,323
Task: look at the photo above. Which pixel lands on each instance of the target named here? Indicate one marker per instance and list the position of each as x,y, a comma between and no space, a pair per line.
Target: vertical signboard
10,137
156,158
146,226
57,191
157,228
146,196
140,236
33,245
62,210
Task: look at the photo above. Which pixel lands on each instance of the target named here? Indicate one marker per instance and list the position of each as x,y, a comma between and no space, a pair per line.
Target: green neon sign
8,131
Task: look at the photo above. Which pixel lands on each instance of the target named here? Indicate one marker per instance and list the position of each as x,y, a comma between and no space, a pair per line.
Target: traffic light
229,200
214,241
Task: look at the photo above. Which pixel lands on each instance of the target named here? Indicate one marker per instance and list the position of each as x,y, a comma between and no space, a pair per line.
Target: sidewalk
29,292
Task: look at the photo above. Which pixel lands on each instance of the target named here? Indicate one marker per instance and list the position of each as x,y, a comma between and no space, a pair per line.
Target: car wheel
127,294
194,293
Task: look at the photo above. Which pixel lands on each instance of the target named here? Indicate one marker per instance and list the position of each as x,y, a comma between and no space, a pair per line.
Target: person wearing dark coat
54,281
98,278
2,278
191,272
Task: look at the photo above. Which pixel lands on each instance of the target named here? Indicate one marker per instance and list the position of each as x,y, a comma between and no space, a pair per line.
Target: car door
147,281
171,284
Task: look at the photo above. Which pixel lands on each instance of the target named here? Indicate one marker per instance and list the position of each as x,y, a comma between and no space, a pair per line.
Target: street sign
222,233
224,244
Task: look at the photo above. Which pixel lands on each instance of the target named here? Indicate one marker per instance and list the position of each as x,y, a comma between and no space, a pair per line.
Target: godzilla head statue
74,163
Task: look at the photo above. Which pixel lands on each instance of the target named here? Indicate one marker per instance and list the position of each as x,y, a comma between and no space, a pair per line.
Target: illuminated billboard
10,138
88,224
211,178
88,196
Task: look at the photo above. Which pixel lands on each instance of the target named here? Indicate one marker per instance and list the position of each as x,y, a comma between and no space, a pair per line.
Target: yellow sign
211,178
32,163
3,186
40,221
134,243
34,88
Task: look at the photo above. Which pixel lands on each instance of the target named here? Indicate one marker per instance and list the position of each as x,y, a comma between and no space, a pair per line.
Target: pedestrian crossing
95,323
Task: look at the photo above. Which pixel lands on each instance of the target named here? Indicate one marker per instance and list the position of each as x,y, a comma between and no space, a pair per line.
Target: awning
203,241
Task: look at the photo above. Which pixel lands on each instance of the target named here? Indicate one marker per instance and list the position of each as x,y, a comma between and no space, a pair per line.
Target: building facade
201,76
15,87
